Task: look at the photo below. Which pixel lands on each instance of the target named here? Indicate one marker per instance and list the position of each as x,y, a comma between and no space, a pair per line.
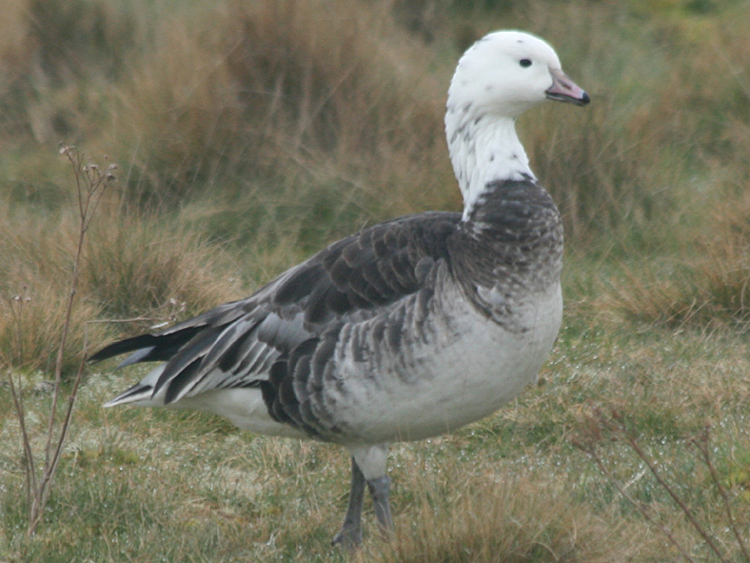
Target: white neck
483,148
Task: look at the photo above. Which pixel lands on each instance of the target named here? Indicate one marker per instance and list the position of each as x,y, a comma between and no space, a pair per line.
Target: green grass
250,134
144,485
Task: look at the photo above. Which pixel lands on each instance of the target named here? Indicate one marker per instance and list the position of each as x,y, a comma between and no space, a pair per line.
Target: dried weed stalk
91,183
615,425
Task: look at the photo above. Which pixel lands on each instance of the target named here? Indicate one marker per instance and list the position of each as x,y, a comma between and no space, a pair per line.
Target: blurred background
250,134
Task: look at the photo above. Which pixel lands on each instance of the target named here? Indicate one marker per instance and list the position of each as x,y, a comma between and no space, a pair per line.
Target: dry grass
287,91
143,268
288,100
36,265
131,270
54,59
709,287
271,128
502,519
31,323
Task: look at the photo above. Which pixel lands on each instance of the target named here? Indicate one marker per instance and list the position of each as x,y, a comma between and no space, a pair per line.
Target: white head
497,79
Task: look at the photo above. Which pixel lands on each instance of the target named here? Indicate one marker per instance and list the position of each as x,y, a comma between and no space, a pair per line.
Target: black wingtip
137,343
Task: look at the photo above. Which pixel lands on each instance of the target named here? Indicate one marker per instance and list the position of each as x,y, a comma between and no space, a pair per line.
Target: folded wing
236,344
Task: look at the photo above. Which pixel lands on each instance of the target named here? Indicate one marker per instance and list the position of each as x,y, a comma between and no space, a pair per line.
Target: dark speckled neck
512,242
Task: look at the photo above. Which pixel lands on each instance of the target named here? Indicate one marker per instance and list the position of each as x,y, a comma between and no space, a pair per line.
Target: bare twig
91,183
701,444
51,469
635,446
614,422
20,413
17,303
591,452
90,186
174,307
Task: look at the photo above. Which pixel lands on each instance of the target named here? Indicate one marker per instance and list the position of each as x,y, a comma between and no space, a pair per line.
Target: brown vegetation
250,134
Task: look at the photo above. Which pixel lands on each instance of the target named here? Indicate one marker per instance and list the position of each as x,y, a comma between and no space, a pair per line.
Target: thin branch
91,184
61,349
702,446
18,403
615,422
50,470
75,161
659,479
29,469
591,452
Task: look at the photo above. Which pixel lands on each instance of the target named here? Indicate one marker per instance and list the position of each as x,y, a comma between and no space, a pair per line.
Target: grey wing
262,341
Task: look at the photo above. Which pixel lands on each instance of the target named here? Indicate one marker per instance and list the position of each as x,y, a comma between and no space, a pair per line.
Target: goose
407,329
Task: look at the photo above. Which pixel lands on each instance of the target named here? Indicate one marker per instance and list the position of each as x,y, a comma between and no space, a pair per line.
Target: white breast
469,369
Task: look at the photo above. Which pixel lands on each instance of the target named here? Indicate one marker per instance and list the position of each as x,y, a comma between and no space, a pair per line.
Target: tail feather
137,392
162,345
142,392
147,347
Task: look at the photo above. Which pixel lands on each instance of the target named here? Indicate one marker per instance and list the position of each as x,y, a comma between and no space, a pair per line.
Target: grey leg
350,535
380,489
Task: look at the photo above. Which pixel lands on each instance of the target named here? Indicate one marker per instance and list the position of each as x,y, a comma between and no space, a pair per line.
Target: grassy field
248,135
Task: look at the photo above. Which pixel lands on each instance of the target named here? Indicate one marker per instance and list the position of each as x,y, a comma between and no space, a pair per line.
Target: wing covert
237,344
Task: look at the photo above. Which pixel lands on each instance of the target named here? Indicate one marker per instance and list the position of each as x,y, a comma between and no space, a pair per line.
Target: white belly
243,407
467,374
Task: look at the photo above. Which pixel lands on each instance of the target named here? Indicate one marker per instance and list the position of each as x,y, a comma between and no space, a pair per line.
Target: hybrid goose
405,330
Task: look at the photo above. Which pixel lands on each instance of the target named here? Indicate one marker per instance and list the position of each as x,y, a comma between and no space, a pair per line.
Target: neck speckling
484,148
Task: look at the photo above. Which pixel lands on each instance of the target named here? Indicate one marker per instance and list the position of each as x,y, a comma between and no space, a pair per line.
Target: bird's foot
349,537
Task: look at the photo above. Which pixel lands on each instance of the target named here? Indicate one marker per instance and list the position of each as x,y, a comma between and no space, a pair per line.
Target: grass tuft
37,265
513,519
285,92
133,269
711,288
153,272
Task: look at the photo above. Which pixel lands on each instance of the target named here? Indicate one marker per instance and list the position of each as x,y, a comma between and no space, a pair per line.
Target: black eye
525,63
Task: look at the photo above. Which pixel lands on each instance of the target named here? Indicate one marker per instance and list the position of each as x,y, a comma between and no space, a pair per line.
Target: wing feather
267,338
